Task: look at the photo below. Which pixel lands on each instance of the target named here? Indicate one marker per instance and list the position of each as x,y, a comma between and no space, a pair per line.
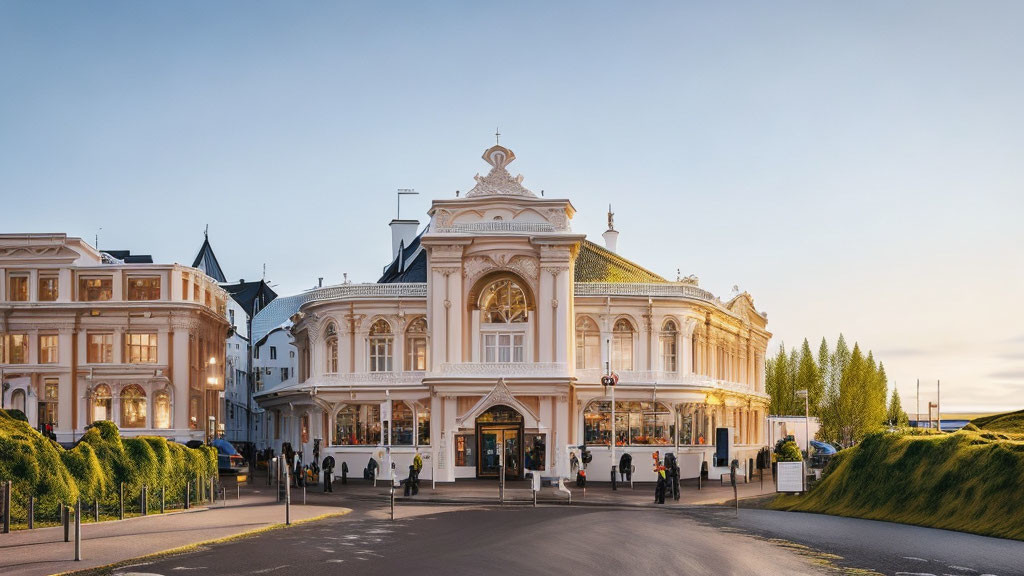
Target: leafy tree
895,415
808,377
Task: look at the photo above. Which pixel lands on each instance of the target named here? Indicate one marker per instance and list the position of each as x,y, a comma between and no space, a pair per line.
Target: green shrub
789,452
96,467
16,414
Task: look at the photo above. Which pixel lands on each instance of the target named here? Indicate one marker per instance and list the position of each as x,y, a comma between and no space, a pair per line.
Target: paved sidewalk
472,491
43,551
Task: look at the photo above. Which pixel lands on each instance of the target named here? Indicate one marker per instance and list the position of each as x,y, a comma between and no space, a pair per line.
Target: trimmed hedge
95,468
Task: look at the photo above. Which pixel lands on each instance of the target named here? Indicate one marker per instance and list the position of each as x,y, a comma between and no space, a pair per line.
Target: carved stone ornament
498,181
499,395
475,266
443,217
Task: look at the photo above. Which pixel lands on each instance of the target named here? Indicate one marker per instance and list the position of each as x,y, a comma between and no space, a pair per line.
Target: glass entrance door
493,442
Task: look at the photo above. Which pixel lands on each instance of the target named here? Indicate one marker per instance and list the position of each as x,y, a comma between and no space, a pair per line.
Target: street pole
938,403
917,416
78,530
287,499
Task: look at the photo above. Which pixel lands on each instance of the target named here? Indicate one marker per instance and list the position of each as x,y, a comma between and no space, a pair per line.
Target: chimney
402,231
611,235
320,282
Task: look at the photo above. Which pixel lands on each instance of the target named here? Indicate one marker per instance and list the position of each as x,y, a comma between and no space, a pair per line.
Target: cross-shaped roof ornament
497,136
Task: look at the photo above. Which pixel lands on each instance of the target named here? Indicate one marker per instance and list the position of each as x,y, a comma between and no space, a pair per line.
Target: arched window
636,423
381,340
503,316
133,407
162,409
331,336
18,400
101,400
503,302
588,344
416,345
622,345
402,424
669,346
357,424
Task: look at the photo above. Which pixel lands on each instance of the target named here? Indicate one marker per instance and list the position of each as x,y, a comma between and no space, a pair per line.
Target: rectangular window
95,289
416,358
273,352
17,288
48,349
284,374
231,319
13,349
184,286
48,402
144,288
504,347
48,288
140,348
100,348
465,450
668,353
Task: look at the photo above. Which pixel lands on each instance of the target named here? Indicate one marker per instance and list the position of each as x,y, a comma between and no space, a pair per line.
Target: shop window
535,452
162,410
402,424
636,423
101,403
133,407
465,450
358,424
423,426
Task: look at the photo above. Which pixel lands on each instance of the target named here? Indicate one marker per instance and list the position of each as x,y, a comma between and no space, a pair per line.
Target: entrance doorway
499,434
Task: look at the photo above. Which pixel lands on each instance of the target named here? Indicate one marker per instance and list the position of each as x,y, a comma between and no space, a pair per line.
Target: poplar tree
895,415
808,377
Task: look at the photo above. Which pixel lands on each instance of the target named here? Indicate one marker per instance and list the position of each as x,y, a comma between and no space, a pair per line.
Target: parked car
822,453
229,461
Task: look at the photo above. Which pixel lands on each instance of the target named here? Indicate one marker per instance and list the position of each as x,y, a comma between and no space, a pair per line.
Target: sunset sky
855,166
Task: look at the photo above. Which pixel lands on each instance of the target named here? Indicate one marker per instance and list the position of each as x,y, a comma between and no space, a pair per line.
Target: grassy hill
1009,423
971,480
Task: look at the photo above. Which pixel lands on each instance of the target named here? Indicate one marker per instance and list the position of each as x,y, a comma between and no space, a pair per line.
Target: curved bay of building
488,337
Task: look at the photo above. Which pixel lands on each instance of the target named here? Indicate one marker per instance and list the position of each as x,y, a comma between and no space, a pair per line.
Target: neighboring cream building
490,332
90,335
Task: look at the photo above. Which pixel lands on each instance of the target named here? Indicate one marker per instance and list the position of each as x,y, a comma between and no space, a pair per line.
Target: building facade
487,337
87,335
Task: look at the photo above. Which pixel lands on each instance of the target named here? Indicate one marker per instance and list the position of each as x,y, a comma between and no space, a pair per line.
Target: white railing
499,226
357,378
651,377
348,291
503,369
669,290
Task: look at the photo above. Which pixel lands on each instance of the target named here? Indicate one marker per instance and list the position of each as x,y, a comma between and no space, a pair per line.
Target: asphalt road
549,540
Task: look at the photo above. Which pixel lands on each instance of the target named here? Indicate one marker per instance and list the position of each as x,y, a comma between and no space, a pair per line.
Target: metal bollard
120,503
66,520
213,495
303,493
287,499
392,501
96,510
238,492
6,503
142,501
78,530
31,511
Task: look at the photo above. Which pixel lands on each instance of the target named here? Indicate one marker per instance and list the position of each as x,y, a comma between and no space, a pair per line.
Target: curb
189,547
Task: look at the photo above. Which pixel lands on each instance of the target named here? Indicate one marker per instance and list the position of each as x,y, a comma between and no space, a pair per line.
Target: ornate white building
87,335
490,331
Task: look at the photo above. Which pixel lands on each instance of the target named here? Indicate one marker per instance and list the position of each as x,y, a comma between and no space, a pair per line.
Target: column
180,381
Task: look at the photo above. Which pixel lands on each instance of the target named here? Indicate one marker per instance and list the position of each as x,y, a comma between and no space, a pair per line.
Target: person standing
659,469
328,466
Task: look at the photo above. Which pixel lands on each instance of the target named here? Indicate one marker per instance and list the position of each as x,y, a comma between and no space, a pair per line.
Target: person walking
659,488
328,466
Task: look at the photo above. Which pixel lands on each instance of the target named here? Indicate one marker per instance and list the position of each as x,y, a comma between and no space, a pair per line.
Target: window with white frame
588,343
622,345
503,317
416,345
332,349
669,346
381,340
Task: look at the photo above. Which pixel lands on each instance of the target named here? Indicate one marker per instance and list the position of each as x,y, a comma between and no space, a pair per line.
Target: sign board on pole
790,477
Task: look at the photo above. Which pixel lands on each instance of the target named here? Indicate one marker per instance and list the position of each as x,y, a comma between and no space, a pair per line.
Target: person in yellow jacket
659,489
417,462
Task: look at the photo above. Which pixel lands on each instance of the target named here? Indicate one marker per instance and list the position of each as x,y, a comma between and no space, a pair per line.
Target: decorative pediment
498,181
742,305
475,266
500,395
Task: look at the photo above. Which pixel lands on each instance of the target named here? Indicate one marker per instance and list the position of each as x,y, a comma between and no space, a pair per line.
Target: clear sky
855,166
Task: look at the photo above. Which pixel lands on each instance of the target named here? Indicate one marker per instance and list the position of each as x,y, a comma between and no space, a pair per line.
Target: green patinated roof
597,264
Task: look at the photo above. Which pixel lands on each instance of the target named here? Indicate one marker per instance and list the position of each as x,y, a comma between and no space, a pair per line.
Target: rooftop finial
206,231
497,136
611,218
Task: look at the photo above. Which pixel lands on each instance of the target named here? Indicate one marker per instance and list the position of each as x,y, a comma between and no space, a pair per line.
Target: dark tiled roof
597,264
251,296
127,257
410,265
207,262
